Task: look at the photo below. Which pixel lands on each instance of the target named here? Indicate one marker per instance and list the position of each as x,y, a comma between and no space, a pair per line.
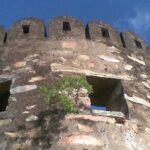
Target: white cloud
141,21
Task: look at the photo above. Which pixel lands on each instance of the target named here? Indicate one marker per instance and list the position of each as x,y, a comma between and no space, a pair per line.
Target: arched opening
25,29
105,33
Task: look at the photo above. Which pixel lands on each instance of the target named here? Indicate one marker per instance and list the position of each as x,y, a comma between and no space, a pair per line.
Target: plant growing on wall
62,89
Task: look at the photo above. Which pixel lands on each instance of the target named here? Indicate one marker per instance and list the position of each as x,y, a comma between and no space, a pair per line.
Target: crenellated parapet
100,31
65,26
2,34
132,41
68,27
26,28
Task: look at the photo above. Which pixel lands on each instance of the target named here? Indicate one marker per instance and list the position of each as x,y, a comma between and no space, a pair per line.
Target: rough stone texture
36,29
2,35
56,31
39,62
93,31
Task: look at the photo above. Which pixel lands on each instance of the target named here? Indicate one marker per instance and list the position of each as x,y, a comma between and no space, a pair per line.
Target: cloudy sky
132,15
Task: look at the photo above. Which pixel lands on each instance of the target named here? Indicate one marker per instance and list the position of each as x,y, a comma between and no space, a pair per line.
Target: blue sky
133,15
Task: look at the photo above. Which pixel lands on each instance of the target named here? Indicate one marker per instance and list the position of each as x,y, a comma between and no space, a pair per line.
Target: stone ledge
62,68
119,116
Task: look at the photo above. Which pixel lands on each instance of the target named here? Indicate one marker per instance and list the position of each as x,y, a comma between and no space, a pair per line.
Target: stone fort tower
115,64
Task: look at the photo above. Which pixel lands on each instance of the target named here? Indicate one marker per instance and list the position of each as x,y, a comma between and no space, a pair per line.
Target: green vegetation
61,90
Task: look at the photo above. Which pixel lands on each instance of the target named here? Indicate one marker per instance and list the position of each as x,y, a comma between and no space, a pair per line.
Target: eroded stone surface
5,121
21,89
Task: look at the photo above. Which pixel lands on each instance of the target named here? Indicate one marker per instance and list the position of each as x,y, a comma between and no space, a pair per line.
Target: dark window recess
5,38
108,94
25,29
4,94
45,33
105,33
122,40
66,26
87,32
138,44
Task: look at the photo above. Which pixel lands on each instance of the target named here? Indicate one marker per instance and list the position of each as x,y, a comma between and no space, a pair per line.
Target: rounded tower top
100,31
30,27
132,41
65,26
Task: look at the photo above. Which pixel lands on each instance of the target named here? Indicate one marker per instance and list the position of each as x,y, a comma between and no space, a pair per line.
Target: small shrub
61,90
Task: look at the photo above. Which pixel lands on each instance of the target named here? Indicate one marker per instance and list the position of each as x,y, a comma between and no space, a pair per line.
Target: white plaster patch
7,68
137,100
21,89
32,118
148,97
128,67
144,76
137,60
147,85
30,107
25,112
38,78
108,58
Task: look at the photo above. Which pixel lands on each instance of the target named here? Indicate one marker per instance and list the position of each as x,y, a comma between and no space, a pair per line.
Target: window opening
108,94
138,44
26,29
105,33
66,26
